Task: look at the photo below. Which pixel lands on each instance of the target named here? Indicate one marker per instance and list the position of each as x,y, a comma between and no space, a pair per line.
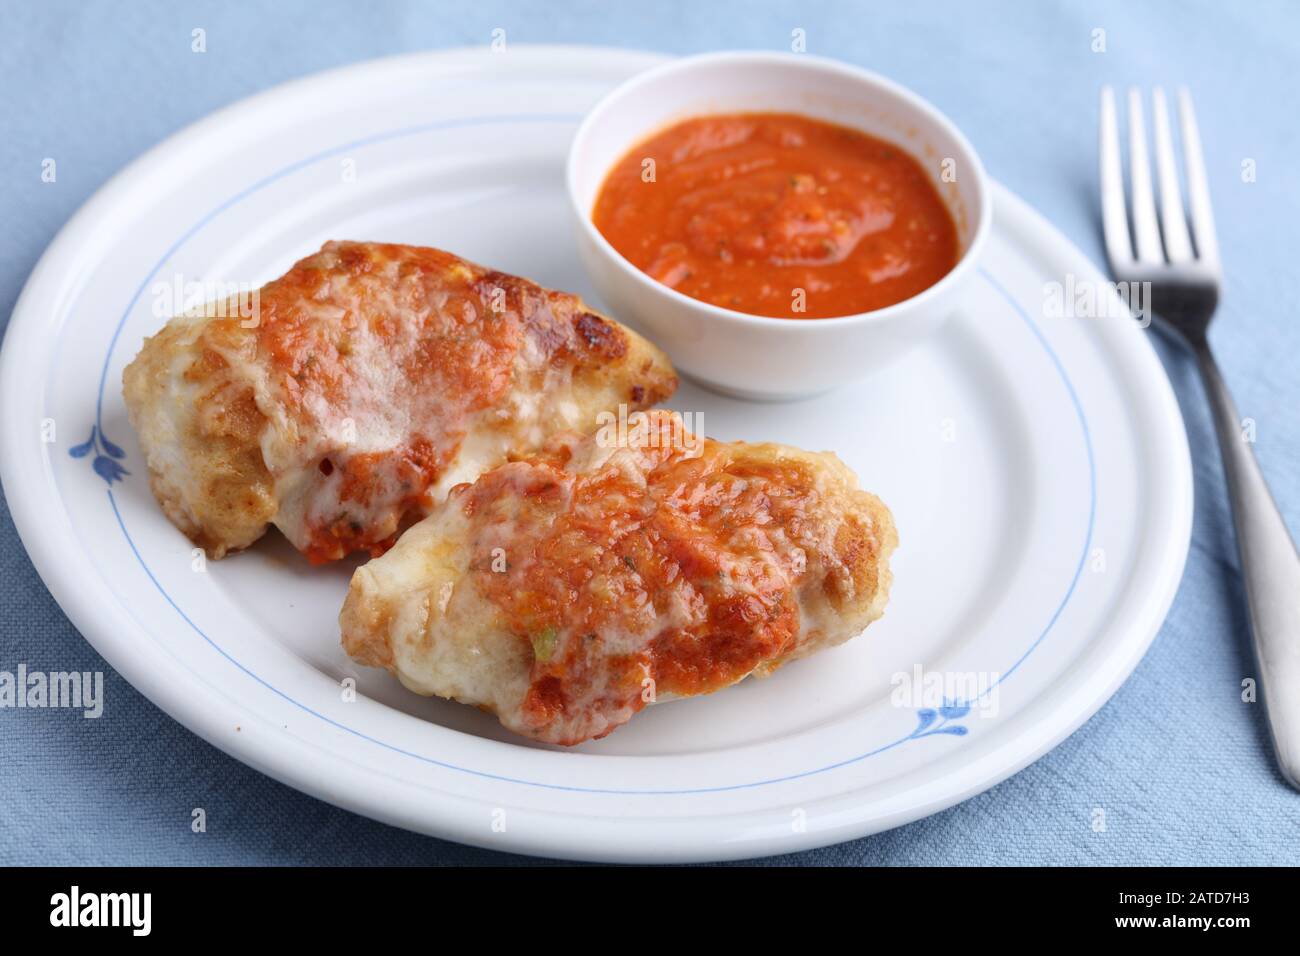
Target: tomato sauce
779,215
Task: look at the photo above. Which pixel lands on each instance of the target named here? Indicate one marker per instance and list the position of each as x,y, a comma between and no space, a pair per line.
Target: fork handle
1271,569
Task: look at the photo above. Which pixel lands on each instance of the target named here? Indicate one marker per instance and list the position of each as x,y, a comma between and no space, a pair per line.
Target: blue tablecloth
1178,762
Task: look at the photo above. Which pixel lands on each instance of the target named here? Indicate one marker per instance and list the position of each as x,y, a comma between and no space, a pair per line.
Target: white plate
1037,468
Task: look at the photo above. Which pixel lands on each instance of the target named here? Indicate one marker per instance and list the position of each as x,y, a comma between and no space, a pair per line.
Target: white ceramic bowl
754,356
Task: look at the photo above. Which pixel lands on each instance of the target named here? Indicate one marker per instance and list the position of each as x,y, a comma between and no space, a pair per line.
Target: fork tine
1178,245
1198,186
1114,219
1146,233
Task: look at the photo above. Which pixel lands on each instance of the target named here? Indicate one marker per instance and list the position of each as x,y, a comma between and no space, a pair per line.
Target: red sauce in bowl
779,215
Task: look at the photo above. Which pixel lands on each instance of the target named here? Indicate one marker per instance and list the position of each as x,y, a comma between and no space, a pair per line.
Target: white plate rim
25,476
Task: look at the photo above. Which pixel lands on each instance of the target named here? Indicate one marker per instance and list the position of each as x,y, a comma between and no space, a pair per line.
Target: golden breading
369,380
565,591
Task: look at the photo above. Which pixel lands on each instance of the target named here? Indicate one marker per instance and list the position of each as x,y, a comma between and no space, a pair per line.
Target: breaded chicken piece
368,381
564,592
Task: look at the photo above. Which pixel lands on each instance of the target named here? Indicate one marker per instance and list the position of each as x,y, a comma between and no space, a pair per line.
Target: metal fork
1185,278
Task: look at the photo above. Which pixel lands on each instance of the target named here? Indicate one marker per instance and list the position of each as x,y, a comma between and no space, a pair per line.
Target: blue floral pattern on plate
107,455
931,721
